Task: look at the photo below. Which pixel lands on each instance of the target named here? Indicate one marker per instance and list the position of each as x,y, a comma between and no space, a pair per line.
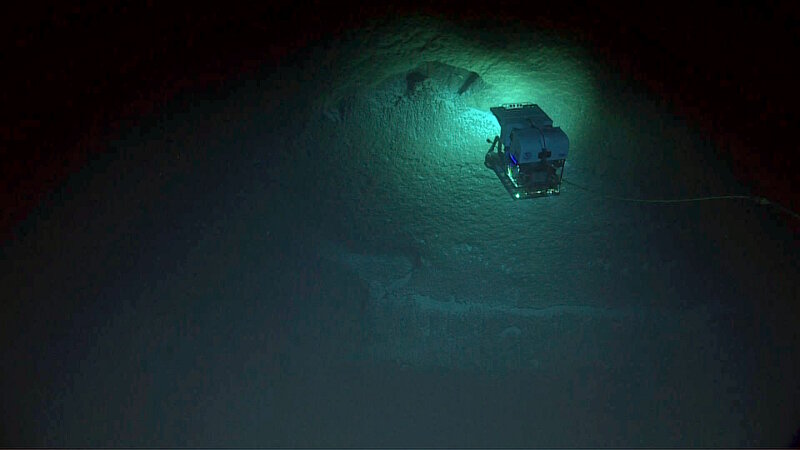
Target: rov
530,153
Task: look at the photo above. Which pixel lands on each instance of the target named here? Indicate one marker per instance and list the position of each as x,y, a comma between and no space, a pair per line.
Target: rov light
531,146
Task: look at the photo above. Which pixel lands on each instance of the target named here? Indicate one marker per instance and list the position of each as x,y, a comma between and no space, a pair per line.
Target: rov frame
530,154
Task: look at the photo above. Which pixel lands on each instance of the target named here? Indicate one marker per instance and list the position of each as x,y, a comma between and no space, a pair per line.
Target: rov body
530,153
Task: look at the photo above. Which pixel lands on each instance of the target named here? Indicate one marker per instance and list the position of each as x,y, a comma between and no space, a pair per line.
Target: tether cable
756,199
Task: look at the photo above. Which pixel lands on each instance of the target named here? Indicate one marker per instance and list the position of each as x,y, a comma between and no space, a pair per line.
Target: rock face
403,325
510,333
395,139
344,216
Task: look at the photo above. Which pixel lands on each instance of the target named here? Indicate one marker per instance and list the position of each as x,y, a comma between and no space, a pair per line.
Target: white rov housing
530,153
